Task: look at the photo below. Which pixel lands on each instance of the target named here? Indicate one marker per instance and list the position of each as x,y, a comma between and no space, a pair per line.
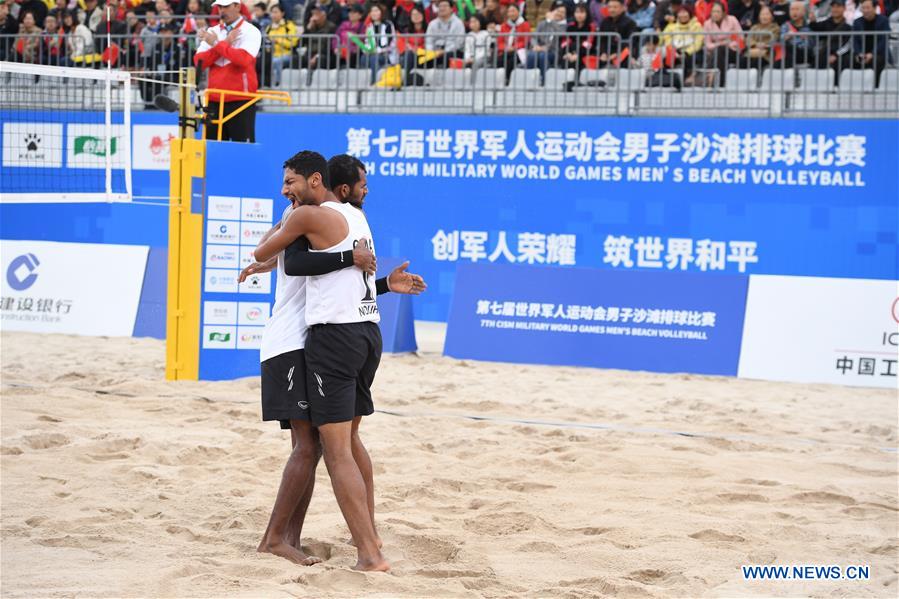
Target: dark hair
306,163
481,19
343,169
450,2
357,8
584,7
261,5
278,6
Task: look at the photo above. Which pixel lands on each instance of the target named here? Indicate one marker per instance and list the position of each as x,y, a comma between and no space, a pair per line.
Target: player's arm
260,267
301,221
299,261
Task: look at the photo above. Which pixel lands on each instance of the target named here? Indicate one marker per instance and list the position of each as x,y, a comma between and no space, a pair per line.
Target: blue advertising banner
661,322
708,196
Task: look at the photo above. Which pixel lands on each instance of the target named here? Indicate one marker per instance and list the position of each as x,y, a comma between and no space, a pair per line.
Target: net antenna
66,134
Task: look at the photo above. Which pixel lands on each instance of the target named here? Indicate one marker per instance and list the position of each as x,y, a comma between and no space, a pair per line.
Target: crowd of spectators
394,39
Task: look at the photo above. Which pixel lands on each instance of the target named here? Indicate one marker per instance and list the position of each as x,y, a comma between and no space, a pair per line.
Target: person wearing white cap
229,51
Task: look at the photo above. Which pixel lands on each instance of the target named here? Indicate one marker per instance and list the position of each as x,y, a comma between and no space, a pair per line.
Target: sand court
116,483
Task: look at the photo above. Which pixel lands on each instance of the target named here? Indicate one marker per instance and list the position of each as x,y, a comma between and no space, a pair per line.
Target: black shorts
341,361
284,388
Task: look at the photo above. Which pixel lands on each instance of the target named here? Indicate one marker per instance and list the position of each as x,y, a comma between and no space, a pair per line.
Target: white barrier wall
821,330
80,288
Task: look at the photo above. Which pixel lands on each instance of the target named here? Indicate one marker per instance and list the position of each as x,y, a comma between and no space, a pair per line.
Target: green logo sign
95,146
220,336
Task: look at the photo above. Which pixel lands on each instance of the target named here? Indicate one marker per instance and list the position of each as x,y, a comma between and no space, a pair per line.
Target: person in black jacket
582,39
333,11
834,51
609,47
871,42
745,11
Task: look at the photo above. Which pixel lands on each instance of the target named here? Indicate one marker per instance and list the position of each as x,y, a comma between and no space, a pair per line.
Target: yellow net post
186,182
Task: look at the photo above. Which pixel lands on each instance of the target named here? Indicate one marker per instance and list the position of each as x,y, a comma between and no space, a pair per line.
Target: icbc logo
895,309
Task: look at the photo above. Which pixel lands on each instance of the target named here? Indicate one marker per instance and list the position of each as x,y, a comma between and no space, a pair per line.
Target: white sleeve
252,43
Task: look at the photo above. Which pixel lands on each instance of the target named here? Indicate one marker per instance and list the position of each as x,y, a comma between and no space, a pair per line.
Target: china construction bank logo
20,275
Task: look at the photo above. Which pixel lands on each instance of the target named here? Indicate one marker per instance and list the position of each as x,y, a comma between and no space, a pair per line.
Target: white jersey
286,329
346,295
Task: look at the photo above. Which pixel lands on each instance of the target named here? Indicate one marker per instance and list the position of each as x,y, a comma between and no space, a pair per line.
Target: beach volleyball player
282,372
343,346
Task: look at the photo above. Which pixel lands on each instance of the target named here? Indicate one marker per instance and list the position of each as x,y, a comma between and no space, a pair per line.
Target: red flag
657,61
741,43
670,56
622,56
778,51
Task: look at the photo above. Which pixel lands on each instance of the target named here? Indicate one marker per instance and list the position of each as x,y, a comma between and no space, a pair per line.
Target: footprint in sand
823,497
528,487
742,498
320,549
885,548
406,523
46,441
427,549
761,483
656,577
539,547
592,531
506,523
710,534
10,450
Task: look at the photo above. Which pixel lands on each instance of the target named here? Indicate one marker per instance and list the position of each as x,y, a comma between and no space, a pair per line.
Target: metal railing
841,74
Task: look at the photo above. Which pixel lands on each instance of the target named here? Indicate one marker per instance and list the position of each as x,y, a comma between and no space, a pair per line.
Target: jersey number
368,296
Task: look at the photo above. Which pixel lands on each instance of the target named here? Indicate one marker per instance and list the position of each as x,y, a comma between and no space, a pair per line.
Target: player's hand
363,258
401,281
256,268
232,36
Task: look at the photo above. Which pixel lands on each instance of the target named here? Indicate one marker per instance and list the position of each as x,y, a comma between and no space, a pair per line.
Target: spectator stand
639,77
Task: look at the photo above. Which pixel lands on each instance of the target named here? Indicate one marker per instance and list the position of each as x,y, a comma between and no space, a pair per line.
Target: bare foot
375,565
378,541
289,553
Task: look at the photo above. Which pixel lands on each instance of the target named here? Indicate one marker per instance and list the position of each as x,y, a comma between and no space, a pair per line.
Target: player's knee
306,451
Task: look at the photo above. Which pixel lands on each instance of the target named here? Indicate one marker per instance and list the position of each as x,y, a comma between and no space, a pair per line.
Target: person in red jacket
229,51
512,40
